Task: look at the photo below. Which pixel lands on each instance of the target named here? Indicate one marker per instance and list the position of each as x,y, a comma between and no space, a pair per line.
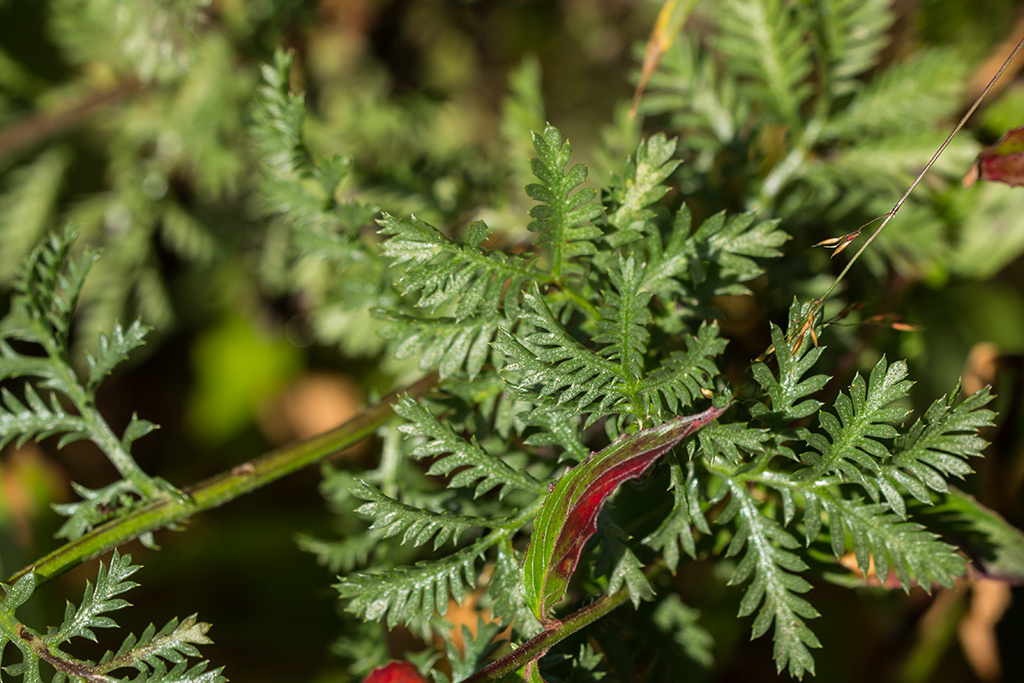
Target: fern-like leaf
789,391
455,348
180,673
294,185
563,218
552,366
503,594
776,587
677,528
95,506
936,448
113,350
37,420
475,650
622,328
97,600
673,616
712,261
411,594
417,526
729,441
851,35
568,374
474,464
50,286
881,540
854,444
904,98
684,375
641,186
173,643
764,40
470,279
620,563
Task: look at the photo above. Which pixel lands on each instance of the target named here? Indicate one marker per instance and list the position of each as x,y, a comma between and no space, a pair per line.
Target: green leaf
684,375
29,198
16,595
713,261
626,568
625,318
38,419
412,594
851,36
278,122
914,553
476,648
503,594
456,348
673,616
789,391
776,587
642,185
113,350
733,244
677,528
96,506
936,448
173,643
569,513
569,375
727,441
417,526
135,430
905,98
995,548
563,217
474,464
49,287
464,277
765,40
855,445
110,582
550,366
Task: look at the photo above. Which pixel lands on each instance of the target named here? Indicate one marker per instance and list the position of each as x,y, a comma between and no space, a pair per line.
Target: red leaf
1003,162
568,517
395,672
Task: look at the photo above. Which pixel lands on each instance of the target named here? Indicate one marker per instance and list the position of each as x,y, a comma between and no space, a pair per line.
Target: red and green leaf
568,516
1003,162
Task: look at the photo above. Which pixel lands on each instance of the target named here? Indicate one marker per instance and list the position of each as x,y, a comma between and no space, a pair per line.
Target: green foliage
40,318
149,654
569,323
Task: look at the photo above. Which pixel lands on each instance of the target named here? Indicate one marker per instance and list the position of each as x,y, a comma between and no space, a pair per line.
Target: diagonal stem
931,162
535,647
219,489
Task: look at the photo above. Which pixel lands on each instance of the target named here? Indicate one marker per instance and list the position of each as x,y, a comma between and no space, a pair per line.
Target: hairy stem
536,647
219,489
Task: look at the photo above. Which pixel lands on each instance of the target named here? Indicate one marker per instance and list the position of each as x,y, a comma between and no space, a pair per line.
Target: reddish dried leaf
395,672
568,517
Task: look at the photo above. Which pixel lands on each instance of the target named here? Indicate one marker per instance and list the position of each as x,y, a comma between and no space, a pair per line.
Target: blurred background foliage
130,120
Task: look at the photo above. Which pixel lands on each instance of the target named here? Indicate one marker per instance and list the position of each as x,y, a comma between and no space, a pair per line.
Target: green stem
219,489
536,647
